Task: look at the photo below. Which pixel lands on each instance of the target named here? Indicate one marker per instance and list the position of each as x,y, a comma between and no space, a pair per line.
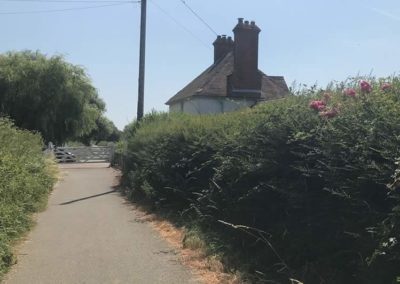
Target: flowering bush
321,106
350,92
317,105
316,187
365,86
329,113
386,86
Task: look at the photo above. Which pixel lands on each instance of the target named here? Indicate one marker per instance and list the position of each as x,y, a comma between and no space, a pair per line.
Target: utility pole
142,60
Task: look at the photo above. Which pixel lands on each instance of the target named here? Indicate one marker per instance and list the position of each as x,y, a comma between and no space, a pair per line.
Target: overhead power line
198,17
179,23
72,1
66,9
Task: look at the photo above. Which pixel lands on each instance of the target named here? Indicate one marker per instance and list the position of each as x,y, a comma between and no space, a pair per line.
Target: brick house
233,81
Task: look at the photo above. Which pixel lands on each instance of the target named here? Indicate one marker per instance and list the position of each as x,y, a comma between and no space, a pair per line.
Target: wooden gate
92,154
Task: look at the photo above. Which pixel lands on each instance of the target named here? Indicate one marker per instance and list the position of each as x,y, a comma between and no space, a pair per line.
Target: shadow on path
89,197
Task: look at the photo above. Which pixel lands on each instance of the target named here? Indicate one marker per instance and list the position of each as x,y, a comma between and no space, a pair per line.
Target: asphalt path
89,234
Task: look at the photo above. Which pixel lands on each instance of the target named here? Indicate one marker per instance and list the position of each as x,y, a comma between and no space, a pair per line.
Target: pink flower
365,86
329,113
386,86
317,105
350,92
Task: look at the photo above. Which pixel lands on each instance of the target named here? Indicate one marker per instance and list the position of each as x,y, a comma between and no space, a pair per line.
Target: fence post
50,146
112,154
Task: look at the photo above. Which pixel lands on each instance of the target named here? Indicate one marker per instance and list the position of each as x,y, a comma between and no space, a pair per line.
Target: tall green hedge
312,178
26,178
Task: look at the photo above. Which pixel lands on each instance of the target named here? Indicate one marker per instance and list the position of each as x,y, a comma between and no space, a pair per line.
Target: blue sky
306,41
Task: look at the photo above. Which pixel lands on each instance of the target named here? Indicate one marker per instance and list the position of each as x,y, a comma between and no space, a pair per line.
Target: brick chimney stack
222,46
246,79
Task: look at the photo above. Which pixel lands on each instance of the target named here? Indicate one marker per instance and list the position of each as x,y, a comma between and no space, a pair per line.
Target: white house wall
204,105
176,107
232,105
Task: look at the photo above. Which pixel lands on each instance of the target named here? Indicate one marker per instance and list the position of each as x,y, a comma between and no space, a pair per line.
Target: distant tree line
53,97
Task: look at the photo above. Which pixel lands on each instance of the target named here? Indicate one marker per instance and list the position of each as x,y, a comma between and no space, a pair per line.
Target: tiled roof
213,83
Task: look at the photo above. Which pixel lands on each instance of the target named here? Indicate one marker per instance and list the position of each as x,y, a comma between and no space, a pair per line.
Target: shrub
49,95
306,175
26,177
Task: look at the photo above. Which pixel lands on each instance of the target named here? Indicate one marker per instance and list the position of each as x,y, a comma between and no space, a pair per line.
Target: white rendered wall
176,107
204,105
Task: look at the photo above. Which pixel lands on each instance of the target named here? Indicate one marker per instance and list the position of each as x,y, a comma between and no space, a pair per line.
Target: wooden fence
92,154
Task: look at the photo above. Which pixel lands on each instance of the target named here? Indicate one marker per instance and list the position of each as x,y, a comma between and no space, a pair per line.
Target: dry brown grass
208,269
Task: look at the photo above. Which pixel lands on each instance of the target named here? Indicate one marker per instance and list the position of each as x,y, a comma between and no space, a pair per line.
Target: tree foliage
49,95
105,130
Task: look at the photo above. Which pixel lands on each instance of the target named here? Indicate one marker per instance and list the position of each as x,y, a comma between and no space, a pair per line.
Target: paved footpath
89,234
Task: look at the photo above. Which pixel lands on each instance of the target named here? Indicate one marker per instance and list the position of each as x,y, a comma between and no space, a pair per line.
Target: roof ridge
199,79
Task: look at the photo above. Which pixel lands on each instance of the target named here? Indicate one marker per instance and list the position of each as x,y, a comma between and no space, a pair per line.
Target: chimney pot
240,20
245,75
222,46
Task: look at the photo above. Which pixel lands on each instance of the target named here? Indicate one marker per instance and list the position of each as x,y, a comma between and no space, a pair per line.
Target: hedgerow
301,188
26,178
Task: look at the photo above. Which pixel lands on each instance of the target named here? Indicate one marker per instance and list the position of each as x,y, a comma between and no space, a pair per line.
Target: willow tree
48,95
105,131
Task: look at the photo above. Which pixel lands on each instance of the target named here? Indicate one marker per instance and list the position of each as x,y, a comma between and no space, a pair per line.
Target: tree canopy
49,95
105,131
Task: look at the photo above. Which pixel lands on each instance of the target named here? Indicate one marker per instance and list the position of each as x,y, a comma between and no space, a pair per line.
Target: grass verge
26,178
192,246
